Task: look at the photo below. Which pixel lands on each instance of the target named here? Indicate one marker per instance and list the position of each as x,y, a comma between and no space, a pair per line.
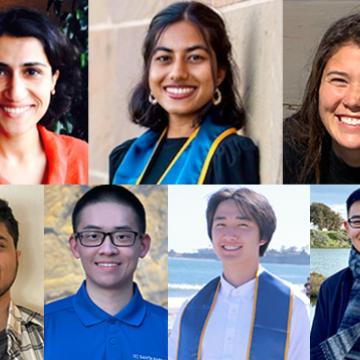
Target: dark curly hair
8,219
307,134
213,30
62,56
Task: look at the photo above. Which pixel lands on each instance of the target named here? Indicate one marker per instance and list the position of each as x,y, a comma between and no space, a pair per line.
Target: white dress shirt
227,332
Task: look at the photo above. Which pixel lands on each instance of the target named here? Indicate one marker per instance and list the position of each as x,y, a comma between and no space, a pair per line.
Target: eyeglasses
354,222
96,238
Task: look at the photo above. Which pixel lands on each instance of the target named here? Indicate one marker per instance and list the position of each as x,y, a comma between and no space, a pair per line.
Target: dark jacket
330,308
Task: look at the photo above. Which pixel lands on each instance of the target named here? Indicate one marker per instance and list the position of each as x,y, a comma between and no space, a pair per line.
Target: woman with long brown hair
322,140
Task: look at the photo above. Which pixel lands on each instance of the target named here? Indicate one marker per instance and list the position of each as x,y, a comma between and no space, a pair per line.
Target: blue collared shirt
76,328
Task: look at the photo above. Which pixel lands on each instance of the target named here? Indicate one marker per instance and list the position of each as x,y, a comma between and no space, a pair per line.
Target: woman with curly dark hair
322,140
38,77
188,99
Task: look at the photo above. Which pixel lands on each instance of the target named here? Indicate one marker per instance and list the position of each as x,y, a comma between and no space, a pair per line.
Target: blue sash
190,164
270,321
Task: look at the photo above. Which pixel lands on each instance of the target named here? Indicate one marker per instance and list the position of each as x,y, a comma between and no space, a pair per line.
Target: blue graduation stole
189,165
269,335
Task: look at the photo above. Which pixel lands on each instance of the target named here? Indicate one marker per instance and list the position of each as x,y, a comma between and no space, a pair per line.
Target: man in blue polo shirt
107,318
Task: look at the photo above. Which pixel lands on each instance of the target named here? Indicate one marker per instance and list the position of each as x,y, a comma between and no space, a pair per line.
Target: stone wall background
117,30
64,274
305,22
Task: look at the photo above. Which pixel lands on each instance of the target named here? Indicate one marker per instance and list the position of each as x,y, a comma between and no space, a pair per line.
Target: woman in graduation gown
188,99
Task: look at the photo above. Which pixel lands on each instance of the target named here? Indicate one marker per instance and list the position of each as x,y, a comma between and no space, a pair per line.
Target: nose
16,88
352,97
107,247
231,232
179,70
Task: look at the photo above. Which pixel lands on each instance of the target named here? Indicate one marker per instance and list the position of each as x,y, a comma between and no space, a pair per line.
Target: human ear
73,244
55,78
220,76
145,245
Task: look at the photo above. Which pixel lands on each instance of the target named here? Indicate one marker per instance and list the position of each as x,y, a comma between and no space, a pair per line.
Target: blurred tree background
324,218
327,231
72,17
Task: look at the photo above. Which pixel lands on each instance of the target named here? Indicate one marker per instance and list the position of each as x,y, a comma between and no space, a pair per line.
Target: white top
227,333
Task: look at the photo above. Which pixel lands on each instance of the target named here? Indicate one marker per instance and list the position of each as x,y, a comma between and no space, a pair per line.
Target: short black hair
110,193
253,204
353,197
61,54
8,219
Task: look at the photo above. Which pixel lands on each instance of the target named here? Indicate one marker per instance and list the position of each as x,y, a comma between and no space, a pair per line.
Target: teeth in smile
179,91
107,265
350,121
16,110
228,247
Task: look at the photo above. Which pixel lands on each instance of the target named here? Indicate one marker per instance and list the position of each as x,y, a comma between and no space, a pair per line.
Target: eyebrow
27,64
241,217
336,72
189,49
95,227
3,238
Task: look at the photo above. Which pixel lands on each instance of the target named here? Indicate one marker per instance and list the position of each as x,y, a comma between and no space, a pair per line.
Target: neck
180,127
20,147
350,156
4,309
110,300
239,274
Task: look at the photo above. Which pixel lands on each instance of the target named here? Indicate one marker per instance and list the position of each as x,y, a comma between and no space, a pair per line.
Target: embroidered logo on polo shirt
146,357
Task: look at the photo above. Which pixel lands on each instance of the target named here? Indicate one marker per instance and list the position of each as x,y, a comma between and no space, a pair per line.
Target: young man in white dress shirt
246,313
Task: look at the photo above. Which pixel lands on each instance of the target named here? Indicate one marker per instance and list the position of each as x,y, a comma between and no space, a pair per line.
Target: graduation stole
271,319
190,164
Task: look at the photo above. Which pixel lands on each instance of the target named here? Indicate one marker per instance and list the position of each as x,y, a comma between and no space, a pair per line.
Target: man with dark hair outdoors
246,313
335,332
107,318
21,330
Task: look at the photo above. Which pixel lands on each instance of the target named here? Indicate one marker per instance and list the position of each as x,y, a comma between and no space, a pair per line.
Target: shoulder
64,142
335,281
59,307
235,161
117,155
156,310
121,149
29,316
238,143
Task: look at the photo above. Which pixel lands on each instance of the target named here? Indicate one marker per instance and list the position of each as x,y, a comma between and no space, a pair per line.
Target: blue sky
332,195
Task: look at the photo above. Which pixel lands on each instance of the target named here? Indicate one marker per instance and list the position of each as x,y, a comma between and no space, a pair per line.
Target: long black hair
61,54
212,28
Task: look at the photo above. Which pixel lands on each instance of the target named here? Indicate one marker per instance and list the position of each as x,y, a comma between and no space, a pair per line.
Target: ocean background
327,262
187,276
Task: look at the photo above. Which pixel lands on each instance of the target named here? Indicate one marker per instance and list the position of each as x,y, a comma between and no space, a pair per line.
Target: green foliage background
72,18
325,218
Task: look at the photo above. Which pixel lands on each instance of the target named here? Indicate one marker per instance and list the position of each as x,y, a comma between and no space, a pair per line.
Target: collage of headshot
180,179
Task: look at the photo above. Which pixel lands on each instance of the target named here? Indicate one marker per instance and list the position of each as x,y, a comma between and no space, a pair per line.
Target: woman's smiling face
183,71
339,98
26,82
